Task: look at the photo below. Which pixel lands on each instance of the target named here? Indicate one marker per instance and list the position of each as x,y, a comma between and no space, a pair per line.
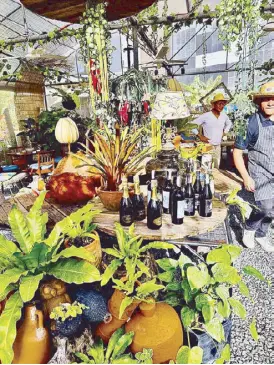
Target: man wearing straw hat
259,178
215,124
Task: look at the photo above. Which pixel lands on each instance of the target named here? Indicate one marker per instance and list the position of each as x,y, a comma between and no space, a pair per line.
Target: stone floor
244,350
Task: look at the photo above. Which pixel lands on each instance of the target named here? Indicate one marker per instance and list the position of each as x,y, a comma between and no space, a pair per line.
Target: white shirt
214,127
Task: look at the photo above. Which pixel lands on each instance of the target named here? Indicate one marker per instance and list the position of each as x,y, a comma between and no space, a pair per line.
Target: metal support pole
135,48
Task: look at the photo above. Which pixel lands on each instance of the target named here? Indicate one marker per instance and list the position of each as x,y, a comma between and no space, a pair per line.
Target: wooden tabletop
192,226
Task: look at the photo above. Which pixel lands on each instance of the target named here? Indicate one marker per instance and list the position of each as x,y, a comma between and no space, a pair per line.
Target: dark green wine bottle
126,206
154,209
139,210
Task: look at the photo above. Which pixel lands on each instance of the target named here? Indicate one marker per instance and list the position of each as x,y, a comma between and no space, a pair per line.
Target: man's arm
200,121
240,165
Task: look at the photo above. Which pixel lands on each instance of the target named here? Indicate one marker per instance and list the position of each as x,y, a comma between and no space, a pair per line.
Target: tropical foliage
67,310
24,264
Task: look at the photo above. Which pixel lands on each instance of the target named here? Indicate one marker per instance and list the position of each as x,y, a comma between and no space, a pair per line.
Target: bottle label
180,209
189,205
166,196
127,219
158,221
197,201
140,213
208,206
148,196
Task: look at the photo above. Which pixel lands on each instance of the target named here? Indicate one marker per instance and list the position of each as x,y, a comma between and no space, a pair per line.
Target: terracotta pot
105,330
157,327
111,199
32,343
94,247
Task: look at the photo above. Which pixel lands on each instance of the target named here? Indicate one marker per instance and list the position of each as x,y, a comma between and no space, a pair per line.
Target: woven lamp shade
72,10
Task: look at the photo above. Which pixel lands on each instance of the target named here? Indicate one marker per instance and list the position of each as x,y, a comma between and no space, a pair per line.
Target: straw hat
219,97
266,91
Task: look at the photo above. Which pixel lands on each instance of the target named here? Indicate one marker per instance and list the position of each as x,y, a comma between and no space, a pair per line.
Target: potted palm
115,155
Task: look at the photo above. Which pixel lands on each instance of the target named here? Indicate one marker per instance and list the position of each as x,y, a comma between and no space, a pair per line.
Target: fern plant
24,265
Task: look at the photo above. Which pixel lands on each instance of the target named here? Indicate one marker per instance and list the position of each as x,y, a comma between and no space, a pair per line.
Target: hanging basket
71,10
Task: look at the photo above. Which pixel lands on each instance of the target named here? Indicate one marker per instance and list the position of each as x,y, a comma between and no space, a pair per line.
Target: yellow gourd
66,131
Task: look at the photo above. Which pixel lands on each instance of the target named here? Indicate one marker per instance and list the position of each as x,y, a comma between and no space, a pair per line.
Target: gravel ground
243,348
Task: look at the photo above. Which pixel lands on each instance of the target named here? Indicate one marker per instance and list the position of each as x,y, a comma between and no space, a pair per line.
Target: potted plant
80,232
202,293
67,319
115,155
114,353
25,264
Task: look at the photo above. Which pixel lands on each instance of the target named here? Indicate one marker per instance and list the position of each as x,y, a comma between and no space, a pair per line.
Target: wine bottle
138,201
178,203
154,209
189,197
167,190
206,199
174,188
126,207
197,190
149,186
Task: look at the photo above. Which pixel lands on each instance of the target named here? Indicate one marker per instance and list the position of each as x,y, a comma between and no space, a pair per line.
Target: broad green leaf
36,257
225,355
110,270
113,340
7,248
74,271
28,286
187,292
188,355
183,260
224,273
8,320
238,308
79,252
121,237
197,276
145,357
219,254
203,299
234,251
122,344
249,270
215,329
10,277
208,312
157,245
172,299
244,289
97,352
144,269
175,286
84,358
253,330
187,316
4,293
167,264
223,292
167,276
36,221
126,302
130,265
145,289
124,359
20,230
223,309
113,252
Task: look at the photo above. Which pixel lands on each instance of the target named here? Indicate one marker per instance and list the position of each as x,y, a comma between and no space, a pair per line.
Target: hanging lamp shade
72,10
66,131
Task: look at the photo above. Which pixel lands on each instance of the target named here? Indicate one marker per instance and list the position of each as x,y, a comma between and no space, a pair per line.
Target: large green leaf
188,355
208,312
159,245
8,320
78,252
55,237
20,229
219,254
37,257
122,344
110,270
4,292
10,277
184,260
36,221
126,302
234,251
7,248
167,264
28,286
250,270
187,316
143,268
223,292
225,355
125,359
238,308
97,352
203,299
253,330
243,289
187,292
166,276
113,252
145,289
74,271
223,309
198,277
113,340
224,273
215,329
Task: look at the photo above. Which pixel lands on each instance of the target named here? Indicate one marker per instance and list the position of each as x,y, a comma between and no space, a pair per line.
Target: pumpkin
66,131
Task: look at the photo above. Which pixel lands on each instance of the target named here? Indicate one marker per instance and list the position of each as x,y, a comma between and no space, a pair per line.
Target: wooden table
105,221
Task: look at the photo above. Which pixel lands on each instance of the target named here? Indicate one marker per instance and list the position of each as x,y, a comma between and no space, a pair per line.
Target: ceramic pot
157,327
94,247
32,343
105,330
111,199
68,328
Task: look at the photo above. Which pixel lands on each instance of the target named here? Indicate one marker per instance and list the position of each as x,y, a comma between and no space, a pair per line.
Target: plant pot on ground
115,155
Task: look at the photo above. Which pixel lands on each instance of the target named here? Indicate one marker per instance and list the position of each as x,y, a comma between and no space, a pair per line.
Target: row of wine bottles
175,200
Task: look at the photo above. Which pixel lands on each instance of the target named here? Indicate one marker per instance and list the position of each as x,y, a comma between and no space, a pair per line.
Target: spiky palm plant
116,155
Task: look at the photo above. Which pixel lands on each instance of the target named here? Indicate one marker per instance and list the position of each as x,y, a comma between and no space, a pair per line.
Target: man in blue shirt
259,178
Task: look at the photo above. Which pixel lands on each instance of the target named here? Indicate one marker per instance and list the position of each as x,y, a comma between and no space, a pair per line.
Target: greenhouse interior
136,181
